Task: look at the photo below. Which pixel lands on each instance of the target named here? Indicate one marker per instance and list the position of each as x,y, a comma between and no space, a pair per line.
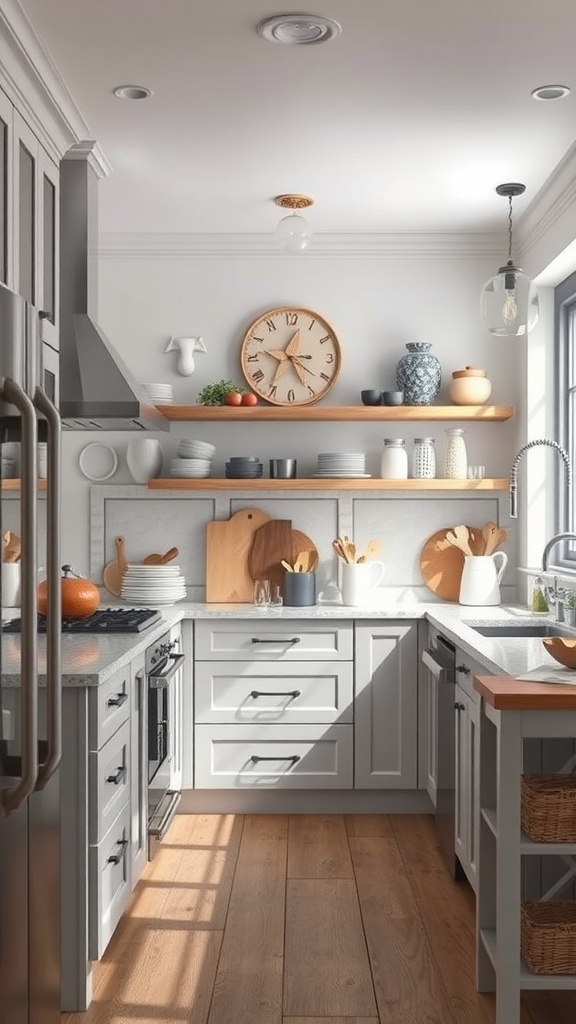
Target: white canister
394,461
481,578
144,459
456,458
359,581
10,584
424,459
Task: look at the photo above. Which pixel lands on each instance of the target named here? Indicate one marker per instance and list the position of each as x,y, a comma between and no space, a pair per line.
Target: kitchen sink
514,627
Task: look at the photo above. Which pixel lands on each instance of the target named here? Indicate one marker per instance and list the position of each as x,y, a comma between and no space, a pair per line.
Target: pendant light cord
509,229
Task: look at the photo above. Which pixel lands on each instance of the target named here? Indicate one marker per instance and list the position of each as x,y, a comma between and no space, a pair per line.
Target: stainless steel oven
163,666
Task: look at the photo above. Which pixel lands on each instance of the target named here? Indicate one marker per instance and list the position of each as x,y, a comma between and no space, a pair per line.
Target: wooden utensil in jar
497,538
459,536
370,551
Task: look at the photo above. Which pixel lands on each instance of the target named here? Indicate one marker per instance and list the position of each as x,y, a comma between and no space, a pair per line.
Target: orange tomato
249,399
233,398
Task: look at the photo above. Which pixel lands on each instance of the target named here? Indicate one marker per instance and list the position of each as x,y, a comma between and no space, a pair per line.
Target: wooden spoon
301,562
161,559
488,531
12,547
459,537
497,539
287,565
370,551
114,570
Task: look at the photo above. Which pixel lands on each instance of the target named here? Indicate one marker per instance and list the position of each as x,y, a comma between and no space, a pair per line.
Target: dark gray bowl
393,397
371,397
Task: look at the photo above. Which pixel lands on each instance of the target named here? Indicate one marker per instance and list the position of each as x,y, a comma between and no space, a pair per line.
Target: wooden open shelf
323,413
326,484
14,484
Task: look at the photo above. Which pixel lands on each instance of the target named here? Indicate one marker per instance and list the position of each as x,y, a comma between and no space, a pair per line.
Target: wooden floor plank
199,892
318,847
368,825
326,971
248,985
381,878
330,1020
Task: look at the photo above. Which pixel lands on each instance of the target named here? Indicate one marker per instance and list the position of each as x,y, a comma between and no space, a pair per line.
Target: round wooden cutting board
441,563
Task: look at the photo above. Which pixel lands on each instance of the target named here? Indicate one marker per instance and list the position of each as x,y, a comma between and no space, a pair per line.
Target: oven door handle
159,679
437,670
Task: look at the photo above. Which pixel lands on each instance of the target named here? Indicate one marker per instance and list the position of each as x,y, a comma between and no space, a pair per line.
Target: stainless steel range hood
97,390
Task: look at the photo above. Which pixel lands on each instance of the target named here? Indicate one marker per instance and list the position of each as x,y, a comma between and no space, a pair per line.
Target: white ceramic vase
144,459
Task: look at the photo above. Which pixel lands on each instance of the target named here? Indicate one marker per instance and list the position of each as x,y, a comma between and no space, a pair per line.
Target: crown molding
33,84
554,207
324,246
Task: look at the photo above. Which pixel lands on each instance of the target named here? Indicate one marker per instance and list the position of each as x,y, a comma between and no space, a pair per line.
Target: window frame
564,556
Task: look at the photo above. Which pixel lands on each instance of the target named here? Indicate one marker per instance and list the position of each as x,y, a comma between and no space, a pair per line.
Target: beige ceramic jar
469,386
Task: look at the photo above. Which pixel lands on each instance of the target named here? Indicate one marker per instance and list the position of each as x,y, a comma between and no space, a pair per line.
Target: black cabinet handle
115,858
117,701
464,669
459,706
275,693
293,757
271,640
119,776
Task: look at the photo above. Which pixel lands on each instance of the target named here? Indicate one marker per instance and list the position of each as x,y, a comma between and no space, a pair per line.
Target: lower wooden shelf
326,484
15,484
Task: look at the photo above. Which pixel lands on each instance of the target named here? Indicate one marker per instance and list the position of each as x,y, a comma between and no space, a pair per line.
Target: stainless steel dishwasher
440,660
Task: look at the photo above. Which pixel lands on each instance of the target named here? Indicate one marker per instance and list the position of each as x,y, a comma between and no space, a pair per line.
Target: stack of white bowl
151,585
159,394
194,459
350,465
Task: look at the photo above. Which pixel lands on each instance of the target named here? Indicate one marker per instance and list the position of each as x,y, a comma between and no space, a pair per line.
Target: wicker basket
548,937
549,808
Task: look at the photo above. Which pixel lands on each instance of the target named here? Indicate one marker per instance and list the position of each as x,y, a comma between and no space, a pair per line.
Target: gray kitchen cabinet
273,704
386,705
138,771
467,765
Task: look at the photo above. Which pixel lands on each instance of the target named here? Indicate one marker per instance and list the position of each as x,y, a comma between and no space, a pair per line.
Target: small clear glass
262,593
276,596
476,472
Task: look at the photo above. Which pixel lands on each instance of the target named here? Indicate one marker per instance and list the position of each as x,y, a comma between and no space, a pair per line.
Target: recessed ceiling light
298,29
132,92
550,92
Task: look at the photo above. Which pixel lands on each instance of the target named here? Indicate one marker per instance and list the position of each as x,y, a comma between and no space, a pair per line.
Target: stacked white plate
151,585
159,394
350,465
193,461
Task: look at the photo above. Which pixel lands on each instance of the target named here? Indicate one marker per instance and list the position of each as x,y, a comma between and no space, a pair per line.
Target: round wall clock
290,356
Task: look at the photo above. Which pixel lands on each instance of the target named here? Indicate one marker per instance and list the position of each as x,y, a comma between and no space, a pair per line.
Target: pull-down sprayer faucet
513,489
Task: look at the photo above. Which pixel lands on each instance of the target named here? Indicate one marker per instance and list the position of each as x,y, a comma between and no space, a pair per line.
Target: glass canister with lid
394,462
424,459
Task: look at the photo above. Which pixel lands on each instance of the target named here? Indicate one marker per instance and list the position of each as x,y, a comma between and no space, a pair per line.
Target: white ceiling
407,122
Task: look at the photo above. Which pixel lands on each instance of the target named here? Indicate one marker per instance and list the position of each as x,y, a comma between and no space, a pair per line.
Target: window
565,333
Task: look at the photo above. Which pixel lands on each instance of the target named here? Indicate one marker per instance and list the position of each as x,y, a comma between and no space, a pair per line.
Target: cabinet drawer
268,640
108,782
226,757
109,888
109,707
268,693
466,669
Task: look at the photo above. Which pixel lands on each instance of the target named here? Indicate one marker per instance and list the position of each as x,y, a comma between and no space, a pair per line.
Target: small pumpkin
80,597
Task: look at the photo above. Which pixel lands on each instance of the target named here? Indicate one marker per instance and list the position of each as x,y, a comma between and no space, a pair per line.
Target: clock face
290,356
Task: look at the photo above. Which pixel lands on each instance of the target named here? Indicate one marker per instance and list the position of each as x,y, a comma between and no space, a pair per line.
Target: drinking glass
262,593
276,598
476,472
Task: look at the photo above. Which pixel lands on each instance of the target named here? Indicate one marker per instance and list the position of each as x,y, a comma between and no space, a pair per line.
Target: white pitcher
481,577
359,581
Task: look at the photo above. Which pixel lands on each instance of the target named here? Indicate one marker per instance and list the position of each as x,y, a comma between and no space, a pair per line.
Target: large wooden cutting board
300,542
227,546
441,563
271,543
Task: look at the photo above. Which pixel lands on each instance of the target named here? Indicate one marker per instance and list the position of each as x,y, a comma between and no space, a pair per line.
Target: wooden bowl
562,649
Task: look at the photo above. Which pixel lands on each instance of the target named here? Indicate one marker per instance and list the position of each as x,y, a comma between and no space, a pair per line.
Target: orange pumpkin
80,597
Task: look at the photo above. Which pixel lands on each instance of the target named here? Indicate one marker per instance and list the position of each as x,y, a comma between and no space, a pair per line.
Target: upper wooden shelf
14,484
240,413
326,484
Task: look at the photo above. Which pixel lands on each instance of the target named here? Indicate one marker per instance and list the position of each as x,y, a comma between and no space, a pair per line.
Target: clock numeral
291,319
291,396
258,376
272,391
252,359
311,325
330,357
311,391
256,338
325,338
325,377
270,325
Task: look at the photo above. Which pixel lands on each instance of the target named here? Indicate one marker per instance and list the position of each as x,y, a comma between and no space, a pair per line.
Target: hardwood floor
300,919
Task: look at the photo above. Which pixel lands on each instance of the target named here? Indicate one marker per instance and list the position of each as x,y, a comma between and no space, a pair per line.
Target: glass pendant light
293,233
509,302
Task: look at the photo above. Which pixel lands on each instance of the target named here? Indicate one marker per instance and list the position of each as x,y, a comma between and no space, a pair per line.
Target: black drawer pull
275,693
293,757
115,858
459,706
117,701
119,776
464,669
271,640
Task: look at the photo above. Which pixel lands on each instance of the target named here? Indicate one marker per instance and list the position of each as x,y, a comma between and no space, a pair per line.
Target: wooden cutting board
300,542
113,571
441,563
271,543
227,546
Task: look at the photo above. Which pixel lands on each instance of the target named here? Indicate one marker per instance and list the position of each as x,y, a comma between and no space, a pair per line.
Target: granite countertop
89,660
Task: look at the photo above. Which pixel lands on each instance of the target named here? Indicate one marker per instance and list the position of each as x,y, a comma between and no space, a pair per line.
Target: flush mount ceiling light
293,233
132,92
509,303
550,92
298,29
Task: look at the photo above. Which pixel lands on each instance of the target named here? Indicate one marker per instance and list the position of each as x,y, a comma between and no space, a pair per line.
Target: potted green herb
215,394
570,608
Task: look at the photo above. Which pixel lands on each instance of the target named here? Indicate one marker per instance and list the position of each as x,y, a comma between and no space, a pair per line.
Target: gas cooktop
107,620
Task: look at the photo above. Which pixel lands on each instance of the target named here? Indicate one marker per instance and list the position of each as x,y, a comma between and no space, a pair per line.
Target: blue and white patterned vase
419,374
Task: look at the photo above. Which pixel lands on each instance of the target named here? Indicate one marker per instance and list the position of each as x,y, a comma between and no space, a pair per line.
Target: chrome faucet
552,543
513,489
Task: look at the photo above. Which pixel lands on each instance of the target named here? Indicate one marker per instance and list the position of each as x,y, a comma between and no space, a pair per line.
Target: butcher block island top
508,694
